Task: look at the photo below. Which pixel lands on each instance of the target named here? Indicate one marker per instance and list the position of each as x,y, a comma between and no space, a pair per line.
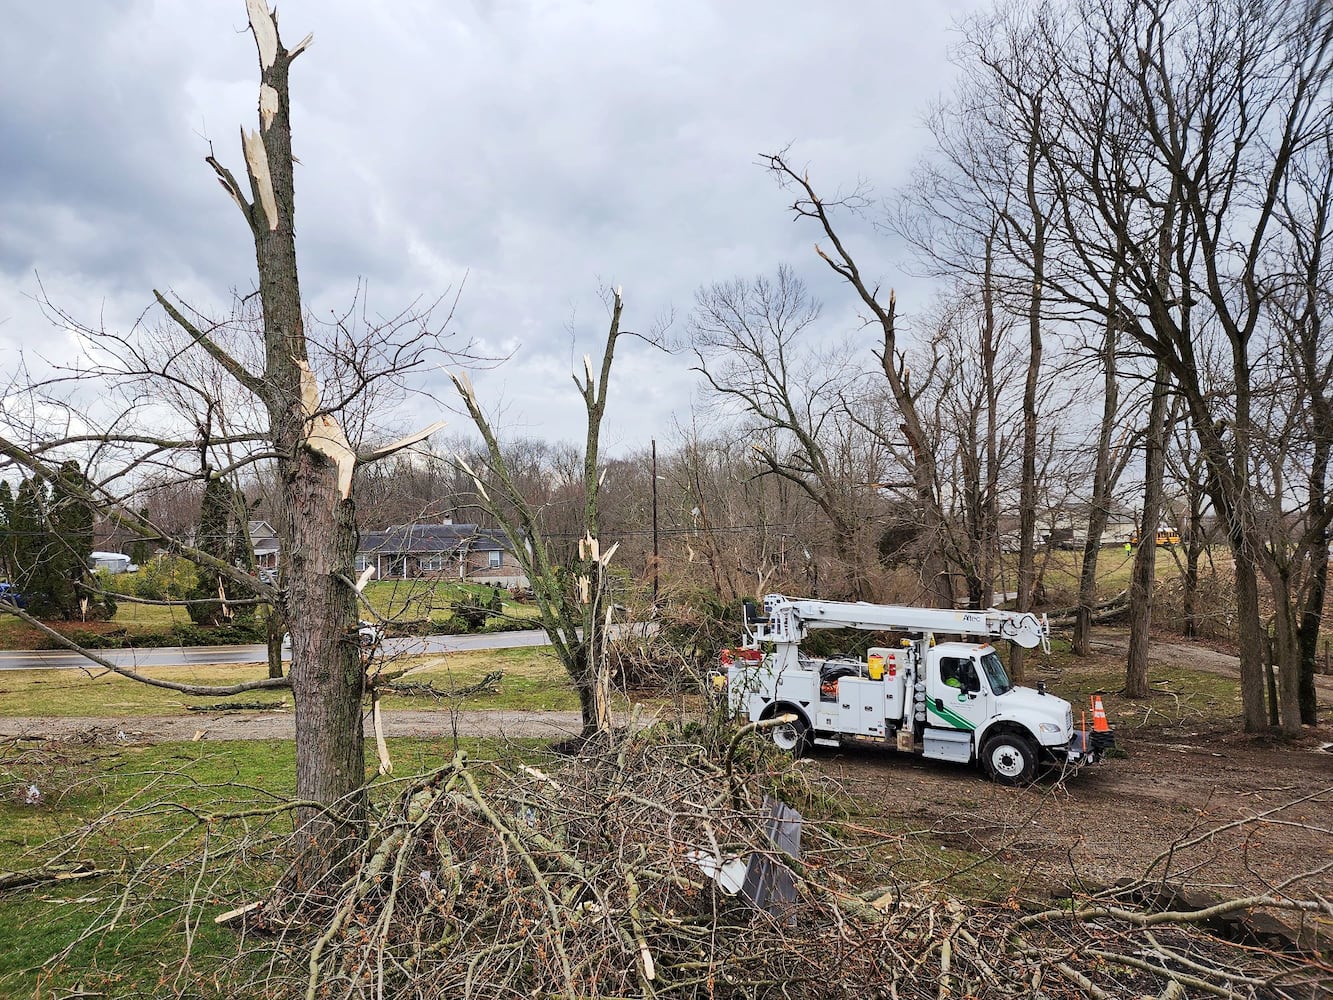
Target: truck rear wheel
791,737
1009,759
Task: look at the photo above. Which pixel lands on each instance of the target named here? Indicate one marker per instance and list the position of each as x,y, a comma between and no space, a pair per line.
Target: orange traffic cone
1099,716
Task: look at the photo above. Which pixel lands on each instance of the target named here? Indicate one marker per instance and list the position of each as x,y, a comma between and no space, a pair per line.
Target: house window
493,559
431,564
362,562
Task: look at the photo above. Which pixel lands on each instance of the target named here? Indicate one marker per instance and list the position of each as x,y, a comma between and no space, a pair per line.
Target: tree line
46,546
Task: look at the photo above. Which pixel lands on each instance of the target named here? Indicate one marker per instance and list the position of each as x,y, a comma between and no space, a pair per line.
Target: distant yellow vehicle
1166,538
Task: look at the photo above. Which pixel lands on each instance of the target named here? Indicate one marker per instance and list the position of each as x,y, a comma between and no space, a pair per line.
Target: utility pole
654,522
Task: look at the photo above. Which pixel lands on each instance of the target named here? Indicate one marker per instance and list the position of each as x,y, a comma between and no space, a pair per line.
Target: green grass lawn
1181,696
1114,566
153,616
533,680
407,601
99,693
145,799
404,603
136,619
147,788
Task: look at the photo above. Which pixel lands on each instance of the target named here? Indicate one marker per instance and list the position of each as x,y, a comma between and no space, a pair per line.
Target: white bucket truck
947,701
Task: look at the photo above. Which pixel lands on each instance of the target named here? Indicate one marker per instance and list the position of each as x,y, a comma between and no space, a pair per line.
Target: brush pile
645,867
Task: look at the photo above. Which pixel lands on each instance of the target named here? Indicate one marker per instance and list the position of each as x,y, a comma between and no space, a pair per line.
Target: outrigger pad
769,885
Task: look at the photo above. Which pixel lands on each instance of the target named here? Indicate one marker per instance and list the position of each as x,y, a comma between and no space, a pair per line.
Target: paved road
171,656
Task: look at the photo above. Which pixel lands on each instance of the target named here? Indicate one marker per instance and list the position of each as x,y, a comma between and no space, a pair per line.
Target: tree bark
326,673
1251,637
273,640
1308,637
1316,583
1145,555
1287,657
317,527
1193,544
1103,480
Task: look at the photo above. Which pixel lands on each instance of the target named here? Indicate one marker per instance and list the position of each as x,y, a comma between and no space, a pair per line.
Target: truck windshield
995,673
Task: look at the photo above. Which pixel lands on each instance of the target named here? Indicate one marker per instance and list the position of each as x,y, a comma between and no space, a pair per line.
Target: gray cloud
539,149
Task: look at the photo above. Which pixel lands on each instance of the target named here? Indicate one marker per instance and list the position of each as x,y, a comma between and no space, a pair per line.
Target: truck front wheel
791,737
1009,759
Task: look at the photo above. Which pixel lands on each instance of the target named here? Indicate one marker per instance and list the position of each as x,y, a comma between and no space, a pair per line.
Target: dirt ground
1268,804
1201,805
1112,821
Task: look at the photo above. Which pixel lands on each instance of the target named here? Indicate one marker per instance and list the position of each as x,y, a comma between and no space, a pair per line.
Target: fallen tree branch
1103,611
613,873
1212,832
1139,919
1179,979
488,685
238,706
10,881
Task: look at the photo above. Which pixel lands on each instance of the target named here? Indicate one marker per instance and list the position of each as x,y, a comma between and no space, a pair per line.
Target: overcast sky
540,149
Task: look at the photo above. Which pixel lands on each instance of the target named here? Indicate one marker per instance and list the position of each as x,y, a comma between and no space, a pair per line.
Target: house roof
434,539
262,536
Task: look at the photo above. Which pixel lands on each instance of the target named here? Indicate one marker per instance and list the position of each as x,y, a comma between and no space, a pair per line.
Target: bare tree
1110,457
297,428
987,138
921,473
752,530
752,342
1297,447
573,598
1173,132
1187,472
1144,572
972,408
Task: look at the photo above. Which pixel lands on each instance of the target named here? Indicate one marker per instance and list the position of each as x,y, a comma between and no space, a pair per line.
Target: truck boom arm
789,620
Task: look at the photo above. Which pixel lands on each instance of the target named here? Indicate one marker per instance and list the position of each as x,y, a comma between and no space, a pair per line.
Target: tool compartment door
861,706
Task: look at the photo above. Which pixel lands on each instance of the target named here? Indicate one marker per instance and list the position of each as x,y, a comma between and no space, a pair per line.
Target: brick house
462,551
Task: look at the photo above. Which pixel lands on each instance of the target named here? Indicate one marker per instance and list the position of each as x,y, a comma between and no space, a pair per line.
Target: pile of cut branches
597,876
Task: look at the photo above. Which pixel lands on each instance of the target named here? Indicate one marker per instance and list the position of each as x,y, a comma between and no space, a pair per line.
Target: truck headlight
1049,727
